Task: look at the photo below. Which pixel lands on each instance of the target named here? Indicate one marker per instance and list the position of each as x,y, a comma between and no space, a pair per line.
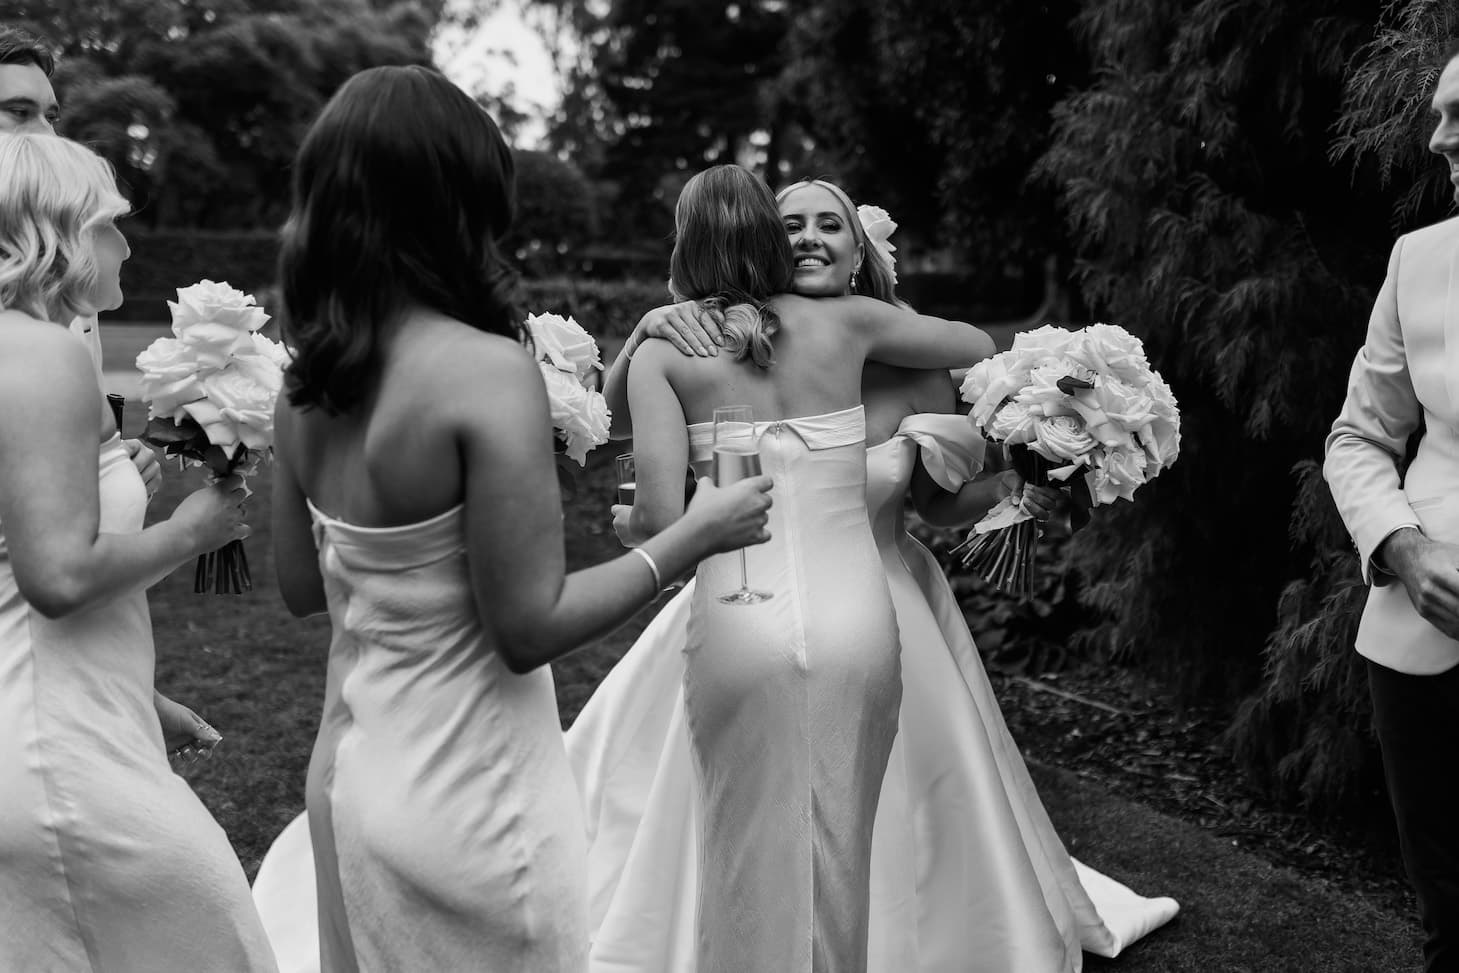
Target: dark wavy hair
732,255
401,189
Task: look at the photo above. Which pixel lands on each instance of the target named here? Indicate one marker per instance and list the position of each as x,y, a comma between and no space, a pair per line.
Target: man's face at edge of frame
1445,140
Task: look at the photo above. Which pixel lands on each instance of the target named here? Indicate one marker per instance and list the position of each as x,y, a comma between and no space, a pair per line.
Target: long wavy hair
874,279
53,194
731,254
401,189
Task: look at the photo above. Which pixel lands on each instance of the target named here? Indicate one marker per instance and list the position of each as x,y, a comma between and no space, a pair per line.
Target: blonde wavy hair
53,194
731,255
874,276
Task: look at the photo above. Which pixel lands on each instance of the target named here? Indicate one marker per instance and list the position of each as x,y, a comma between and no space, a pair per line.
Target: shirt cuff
1378,566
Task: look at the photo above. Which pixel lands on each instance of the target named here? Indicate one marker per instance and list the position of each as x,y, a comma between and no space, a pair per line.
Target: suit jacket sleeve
1368,439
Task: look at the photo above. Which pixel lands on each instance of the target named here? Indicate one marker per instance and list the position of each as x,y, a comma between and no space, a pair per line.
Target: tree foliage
556,212
938,109
661,89
935,109
201,106
1306,730
1217,217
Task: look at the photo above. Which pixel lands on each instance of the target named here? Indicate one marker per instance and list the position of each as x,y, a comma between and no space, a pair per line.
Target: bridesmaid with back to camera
415,501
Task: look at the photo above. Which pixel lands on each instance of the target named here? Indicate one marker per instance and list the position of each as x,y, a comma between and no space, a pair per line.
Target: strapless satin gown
968,873
791,708
447,835
108,860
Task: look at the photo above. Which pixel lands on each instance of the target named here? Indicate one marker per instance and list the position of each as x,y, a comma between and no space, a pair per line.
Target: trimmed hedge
164,260
607,308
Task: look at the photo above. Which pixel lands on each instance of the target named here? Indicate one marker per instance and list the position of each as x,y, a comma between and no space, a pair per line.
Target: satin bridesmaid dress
108,860
446,829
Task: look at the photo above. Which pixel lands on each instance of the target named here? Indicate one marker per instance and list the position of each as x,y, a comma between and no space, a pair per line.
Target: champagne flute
627,477
736,457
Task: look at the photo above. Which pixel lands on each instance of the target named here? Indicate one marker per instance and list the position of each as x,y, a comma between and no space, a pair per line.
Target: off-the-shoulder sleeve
951,449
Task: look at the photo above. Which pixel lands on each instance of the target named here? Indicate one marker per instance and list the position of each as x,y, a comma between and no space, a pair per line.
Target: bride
790,705
966,867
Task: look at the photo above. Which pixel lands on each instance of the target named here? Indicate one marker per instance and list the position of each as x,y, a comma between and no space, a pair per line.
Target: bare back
817,369
395,460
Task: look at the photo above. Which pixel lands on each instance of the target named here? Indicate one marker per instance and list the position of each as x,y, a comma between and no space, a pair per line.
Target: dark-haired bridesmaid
416,501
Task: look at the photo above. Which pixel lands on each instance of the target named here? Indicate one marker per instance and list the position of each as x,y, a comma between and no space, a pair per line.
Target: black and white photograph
729,486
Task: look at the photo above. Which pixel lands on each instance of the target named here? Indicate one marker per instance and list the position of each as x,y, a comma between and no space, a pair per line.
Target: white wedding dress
967,874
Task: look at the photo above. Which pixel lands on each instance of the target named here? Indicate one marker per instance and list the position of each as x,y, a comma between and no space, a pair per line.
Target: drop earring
853,281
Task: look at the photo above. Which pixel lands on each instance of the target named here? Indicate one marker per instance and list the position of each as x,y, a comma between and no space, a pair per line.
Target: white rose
1061,439
214,344
207,302
217,321
564,343
1117,474
1112,350
244,406
1164,405
1126,405
1161,442
579,414
169,378
988,383
1012,424
1042,344
220,432
1041,393
272,350
879,227
262,370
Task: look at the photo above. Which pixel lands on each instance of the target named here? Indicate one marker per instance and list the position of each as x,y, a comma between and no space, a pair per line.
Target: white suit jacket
1407,370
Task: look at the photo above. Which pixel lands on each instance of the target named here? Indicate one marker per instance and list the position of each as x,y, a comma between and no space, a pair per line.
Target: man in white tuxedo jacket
1406,529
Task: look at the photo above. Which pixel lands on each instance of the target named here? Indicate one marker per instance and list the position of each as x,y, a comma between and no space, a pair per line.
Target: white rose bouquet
210,394
1082,408
569,359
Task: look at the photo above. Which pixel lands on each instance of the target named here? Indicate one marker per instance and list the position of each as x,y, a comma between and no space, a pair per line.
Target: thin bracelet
658,580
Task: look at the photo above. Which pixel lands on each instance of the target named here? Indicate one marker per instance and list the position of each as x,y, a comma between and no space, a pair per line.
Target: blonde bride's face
822,242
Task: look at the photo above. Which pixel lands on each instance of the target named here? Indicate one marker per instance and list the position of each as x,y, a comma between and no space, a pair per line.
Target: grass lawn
257,675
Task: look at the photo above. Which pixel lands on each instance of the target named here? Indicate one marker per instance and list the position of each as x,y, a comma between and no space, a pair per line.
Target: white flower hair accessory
879,227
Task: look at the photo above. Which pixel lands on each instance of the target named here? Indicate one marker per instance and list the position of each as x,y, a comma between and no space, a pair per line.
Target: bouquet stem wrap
224,571
1002,546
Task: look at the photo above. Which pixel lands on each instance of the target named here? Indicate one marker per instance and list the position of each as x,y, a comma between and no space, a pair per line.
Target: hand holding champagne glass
737,457
627,479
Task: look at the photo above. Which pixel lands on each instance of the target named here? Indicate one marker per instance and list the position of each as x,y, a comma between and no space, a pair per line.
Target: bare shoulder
478,378
662,359
453,360
795,307
40,356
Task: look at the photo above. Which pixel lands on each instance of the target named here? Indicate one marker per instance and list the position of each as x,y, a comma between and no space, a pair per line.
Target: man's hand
184,733
1429,570
147,465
